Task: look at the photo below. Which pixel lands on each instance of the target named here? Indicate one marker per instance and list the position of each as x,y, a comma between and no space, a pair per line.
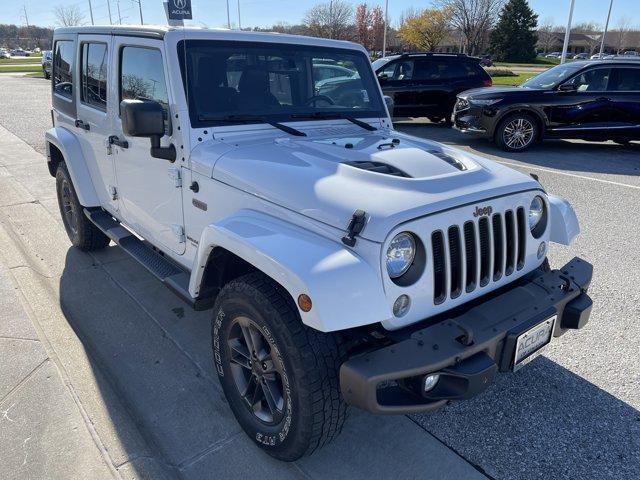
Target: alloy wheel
256,370
518,133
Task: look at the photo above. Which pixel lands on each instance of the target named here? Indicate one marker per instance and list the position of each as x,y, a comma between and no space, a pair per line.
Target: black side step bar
163,269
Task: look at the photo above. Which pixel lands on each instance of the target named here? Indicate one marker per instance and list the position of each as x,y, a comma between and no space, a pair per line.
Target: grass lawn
39,74
538,62
512,79
19,61
20,68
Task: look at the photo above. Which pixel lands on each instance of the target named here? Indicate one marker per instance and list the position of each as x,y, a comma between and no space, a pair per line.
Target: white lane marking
586,177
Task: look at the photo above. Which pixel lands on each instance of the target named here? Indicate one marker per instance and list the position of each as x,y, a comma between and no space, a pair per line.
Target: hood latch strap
356,225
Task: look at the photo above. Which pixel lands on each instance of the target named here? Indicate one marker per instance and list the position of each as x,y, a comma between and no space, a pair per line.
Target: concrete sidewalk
105,373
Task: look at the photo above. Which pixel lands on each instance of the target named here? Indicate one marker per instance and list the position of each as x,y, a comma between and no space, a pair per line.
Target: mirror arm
164,153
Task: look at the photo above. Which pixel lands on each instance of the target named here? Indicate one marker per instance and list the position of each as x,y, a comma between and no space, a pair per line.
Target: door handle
83,125
114,140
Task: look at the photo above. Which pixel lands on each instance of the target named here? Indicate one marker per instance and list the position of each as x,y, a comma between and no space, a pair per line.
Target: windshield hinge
174,174
356,225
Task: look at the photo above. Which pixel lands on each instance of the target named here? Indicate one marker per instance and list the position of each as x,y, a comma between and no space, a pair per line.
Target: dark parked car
591,100
426,84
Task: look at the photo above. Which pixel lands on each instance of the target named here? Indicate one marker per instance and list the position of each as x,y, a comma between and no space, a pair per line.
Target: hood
492,92
391,176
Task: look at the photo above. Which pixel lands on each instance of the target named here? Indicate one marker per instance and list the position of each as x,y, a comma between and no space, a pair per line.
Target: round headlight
536,212
400,254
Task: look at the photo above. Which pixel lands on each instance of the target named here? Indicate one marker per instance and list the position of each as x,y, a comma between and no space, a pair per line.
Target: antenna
109,8
91,12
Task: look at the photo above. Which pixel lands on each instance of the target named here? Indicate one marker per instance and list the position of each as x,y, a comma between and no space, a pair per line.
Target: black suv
590,100
426,84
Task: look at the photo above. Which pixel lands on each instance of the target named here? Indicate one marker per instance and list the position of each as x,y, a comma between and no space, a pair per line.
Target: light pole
606,27
228,17
567,33
384,35
91,12
239,22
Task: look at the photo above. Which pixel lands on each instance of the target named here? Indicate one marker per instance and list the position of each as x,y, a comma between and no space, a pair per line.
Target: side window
427,69
626,80
63,68
594,80
142,77
389,70
94,75
404,70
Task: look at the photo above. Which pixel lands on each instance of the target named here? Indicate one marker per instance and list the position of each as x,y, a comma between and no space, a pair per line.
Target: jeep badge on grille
483,211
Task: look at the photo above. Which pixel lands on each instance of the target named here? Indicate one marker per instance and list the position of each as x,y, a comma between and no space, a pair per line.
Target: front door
93,121
584,110
148,189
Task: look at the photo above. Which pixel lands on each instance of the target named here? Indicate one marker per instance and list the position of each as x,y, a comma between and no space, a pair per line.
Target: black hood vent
454,162
378,168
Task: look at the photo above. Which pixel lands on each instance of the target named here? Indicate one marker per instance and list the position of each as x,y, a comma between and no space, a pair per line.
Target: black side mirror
567,87
146,119
383,76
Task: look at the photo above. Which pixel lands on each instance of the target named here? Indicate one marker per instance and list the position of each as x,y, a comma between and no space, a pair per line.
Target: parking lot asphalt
572,413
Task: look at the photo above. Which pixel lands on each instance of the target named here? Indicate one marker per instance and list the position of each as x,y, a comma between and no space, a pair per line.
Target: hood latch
356,225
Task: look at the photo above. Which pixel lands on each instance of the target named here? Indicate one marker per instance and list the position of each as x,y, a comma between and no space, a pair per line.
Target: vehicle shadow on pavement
543,422
148,347
573,156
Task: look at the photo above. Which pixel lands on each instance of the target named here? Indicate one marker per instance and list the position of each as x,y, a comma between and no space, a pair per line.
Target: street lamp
567,34
384,35
606,27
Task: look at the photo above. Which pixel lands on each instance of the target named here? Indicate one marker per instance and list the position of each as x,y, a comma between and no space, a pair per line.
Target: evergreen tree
514,37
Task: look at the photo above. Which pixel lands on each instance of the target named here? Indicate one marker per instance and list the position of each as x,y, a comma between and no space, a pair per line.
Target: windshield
554,76
231,82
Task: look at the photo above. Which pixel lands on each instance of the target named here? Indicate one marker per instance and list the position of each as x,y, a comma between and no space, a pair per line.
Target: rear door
584,111
149,189
625,98
93,122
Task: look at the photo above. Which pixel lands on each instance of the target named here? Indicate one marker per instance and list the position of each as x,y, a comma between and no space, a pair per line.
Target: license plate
532,341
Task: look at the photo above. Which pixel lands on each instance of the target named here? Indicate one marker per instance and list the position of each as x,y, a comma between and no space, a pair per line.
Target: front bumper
472,119
466,351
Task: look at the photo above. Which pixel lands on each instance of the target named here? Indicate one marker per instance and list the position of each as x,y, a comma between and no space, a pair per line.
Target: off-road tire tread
321,355
89,236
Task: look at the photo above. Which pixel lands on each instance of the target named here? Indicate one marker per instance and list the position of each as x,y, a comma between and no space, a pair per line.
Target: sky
264,13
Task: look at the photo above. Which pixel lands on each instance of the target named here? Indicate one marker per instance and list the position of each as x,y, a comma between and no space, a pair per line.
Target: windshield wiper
252,119
328,115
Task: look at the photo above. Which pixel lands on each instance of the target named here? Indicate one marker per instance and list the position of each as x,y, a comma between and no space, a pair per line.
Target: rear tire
517,132
82,233
280,377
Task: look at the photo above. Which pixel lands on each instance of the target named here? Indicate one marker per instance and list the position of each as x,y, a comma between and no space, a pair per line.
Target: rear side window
94,75
625,80
142,77
63,68
444,69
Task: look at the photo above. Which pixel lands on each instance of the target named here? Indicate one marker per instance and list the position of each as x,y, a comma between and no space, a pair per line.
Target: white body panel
283,203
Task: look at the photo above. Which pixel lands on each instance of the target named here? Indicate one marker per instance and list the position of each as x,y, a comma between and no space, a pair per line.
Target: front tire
82,233
280,377
517,132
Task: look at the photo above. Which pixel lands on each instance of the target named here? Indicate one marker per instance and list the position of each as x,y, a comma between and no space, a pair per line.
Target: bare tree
547,34
331,19
623,27
68,16
408,14
474,19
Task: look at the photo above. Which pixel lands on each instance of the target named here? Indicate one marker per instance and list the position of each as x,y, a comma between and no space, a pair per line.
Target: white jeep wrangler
346,263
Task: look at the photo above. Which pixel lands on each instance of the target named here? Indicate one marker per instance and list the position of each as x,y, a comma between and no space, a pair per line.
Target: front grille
477,253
